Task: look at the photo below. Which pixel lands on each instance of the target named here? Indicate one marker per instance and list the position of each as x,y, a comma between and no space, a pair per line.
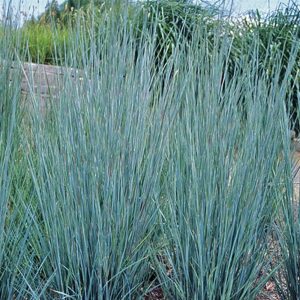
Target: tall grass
135,178
14,219
40,42
276,33
223,180
288,278
96,168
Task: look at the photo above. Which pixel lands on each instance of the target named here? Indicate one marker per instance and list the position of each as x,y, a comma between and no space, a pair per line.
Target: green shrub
44,43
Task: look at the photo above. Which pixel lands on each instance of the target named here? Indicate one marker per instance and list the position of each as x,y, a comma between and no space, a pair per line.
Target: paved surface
296,158
44,81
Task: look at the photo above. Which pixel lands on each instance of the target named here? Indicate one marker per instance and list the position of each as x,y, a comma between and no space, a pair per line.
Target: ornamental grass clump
223,182
96,164
140,174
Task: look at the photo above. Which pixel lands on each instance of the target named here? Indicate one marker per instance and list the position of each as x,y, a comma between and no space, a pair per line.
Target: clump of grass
40,42
134,178
276,32
96,171
223,180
